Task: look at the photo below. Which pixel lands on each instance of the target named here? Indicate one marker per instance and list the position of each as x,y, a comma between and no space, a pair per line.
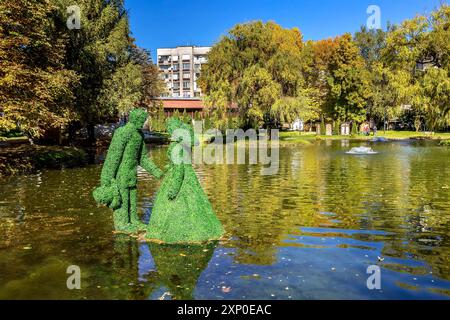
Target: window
186,94
186,66
186,85
186,57
200,59
176,67
186,75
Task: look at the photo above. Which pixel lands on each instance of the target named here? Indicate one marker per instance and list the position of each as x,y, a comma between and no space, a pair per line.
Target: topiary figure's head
138,117
173,124
180,131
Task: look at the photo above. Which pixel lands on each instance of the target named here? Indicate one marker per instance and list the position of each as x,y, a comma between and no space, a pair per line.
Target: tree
435,92
413,50
152,85
252,67
35,87
256,94
288,109
124,89
370,44
348,81
316,71
99,52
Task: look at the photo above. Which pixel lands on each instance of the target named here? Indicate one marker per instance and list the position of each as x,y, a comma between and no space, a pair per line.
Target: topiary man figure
119,173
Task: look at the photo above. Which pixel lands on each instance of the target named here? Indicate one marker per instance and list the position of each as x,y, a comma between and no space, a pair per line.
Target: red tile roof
182,103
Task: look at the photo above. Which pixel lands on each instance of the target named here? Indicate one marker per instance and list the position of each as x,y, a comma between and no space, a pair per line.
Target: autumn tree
35,87
348,81
413,49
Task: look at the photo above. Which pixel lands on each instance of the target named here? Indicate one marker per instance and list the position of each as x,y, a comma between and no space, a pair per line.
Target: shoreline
25,159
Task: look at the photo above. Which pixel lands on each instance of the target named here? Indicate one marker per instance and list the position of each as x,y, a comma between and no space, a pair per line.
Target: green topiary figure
182,212
119,174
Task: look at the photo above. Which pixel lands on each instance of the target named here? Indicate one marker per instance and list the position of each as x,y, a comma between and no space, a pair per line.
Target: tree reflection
172,271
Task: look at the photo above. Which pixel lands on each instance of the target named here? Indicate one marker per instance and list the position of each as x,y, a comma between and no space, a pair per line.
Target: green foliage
182,212
435,92
119,173
257,68
152,85
51,76
98,52
35,88
157,117
123,89
322,127
354,128
29,159
417,55
348,81
273,78
337,128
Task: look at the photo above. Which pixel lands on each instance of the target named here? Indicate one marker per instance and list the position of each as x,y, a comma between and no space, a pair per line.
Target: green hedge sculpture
182,212
119,173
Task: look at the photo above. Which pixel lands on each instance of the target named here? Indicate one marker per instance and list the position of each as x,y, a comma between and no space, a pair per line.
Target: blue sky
168,23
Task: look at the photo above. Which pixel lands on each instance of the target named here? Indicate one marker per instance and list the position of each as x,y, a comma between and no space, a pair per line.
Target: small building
190,105
298,125
345,129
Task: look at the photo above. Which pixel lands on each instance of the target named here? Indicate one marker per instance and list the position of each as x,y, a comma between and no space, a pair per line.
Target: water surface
309,232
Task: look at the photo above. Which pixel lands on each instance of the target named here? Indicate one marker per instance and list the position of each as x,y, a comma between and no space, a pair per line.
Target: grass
12,138
302,137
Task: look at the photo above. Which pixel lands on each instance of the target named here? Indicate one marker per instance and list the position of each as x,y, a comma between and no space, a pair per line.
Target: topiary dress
182,212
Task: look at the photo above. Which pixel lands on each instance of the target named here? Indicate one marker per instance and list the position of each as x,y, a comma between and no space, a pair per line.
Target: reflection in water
309,232
173,269
168,271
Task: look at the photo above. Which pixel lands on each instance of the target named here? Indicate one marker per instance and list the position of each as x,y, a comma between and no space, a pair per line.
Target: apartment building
180,68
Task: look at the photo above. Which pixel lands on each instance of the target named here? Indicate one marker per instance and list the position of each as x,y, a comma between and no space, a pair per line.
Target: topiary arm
113,157
177,176
177,181
148,164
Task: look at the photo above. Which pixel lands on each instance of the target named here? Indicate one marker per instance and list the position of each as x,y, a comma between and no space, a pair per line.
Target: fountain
361,150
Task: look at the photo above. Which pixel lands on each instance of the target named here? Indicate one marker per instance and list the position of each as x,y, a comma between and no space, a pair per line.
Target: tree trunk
91,133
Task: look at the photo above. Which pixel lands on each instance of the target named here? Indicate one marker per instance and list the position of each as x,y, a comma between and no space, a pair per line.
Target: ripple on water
309,232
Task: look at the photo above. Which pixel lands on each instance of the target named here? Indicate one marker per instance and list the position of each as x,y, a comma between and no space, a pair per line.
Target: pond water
309,232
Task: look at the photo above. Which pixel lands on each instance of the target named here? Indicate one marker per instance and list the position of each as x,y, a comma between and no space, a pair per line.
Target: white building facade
180,68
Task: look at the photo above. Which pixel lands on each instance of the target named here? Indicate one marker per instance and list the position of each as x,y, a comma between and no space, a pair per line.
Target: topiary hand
172,194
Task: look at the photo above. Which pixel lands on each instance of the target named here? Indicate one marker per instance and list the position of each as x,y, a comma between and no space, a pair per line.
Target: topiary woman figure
119,173
182,212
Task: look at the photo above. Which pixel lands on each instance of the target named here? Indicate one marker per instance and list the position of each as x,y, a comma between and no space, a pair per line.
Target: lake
309,232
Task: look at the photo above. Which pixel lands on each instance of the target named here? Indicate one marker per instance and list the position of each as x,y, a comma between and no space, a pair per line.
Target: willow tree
417,54
255,65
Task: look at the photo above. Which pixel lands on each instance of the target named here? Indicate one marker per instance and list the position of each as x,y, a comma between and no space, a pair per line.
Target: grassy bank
28,159
305,137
